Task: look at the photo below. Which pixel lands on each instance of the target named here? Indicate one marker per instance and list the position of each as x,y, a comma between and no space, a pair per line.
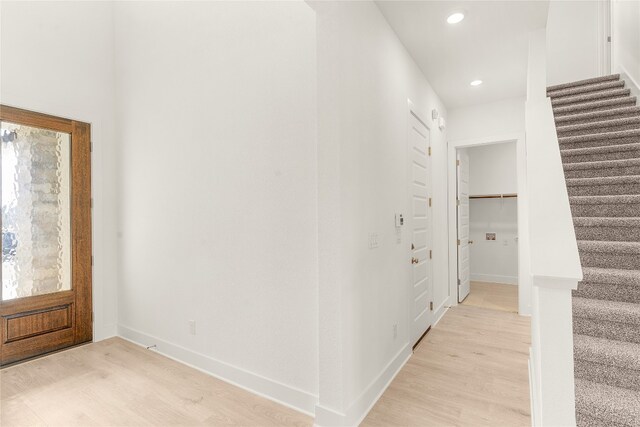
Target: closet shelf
493,196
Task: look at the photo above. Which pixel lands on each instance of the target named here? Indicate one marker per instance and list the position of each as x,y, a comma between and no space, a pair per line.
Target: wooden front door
45,302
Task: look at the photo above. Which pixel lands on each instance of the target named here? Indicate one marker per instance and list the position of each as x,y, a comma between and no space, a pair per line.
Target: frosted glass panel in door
36,223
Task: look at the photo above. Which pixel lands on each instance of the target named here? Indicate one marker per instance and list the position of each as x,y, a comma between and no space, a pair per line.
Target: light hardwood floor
496,296
470,370
116,383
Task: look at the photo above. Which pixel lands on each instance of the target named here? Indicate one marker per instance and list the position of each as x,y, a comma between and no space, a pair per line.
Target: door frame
413,111
81,317
524,281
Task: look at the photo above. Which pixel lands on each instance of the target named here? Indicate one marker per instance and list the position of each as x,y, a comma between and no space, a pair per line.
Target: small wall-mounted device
435,114
399,220
441,123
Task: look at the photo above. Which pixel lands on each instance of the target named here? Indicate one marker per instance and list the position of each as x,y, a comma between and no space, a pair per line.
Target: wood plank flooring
470,370
496,296
116,383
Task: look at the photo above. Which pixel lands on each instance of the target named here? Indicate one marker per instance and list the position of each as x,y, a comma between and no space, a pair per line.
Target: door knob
414,260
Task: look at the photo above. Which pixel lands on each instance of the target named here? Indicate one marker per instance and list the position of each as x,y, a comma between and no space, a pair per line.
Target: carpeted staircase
598,125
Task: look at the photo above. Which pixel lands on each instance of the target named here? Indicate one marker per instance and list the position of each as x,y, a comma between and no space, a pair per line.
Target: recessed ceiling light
456,17
476,83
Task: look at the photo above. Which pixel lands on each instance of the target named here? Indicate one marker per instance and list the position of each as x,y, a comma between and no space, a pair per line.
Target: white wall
57,58
365,77
217,120
626,38
573,41
493,170
486,120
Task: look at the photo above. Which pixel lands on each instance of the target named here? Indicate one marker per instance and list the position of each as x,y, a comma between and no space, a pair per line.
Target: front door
464,262
45,303
420,223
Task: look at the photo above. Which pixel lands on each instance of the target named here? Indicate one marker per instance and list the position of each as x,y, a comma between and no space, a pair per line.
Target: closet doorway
485,223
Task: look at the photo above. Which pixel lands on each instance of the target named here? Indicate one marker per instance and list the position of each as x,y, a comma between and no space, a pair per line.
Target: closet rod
494,196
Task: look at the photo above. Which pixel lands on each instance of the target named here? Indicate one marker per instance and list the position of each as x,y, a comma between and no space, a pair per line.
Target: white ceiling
490,44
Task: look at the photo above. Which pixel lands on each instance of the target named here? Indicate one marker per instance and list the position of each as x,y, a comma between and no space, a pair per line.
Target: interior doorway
45,299
488,226
420,225
487,200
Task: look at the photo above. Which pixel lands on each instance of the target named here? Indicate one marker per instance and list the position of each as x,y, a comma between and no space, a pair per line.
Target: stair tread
583,82
609,123
563,109
604,180
585,88
612,311
607,403
627,133
600,150
602,164
611,276
609,247
605,200
590,96
599,114
595,221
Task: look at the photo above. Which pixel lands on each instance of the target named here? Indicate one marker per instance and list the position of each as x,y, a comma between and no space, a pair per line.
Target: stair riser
562,111
605,329
608,234
616,155
605,190
606,210
609,292
589,97
603,116
603,172
610,260
607,374
596,131
599,143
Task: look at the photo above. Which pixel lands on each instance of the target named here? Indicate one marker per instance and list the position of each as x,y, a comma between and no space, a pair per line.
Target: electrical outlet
395,330
373,240
192,327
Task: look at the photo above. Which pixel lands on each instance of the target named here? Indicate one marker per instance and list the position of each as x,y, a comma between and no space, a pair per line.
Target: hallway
469,370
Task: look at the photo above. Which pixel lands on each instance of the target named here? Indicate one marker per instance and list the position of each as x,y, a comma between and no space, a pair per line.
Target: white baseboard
494,278
326,417
283,394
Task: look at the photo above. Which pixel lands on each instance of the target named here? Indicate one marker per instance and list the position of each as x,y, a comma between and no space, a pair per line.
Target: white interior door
420,224
464,262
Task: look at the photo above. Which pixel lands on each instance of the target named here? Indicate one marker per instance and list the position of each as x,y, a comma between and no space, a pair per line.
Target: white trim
524,282
363,404
494,278
283,394
605,17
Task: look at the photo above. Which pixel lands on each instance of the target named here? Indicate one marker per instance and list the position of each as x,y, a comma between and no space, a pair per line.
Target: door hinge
457,202
609,39
91,260
457,162
91,146
458,282
429,201
458,242
431,305
430,254
429,150
91,203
